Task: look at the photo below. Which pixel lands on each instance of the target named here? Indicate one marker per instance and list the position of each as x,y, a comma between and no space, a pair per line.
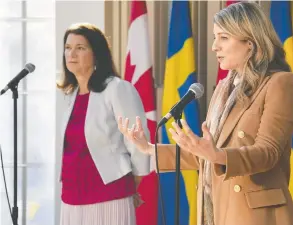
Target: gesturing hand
135,134
203,147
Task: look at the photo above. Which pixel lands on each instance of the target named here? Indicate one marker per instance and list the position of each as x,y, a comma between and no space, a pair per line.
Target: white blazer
112,154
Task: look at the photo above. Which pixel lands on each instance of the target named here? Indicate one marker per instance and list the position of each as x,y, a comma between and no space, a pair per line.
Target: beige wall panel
199,25
212,65
112,29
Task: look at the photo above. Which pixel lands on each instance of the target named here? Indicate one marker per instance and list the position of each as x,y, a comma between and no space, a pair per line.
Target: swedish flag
282,19
180,73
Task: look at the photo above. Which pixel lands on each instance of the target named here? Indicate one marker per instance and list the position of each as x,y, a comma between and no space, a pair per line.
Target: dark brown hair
104,64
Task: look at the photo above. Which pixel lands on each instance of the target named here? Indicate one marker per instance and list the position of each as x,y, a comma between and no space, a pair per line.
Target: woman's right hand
135,134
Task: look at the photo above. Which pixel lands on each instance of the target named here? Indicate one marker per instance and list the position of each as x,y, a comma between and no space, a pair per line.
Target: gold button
237,188
241,134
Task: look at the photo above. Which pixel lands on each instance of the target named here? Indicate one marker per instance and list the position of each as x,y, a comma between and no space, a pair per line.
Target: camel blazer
112,154
252,189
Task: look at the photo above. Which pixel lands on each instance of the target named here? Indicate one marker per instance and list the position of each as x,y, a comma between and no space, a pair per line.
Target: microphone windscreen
197,89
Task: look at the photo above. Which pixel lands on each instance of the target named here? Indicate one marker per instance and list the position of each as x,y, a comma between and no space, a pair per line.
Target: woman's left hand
203,147
137,201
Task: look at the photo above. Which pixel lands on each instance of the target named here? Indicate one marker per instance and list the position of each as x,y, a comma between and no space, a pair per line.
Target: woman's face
79,56
232,53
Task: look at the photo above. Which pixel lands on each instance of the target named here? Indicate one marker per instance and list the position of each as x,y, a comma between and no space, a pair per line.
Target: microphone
28,68
195,91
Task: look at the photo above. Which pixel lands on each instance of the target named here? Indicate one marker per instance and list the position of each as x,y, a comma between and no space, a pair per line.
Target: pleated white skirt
116,212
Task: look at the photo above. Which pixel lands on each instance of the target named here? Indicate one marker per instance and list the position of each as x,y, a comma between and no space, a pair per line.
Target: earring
96,65
250,46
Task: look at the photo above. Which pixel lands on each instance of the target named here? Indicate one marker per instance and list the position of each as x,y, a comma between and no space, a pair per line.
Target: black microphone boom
28,68
195,91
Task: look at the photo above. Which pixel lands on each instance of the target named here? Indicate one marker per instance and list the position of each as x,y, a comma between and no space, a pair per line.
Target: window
27,35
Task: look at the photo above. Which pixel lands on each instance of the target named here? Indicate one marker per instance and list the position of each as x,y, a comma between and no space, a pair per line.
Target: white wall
68,12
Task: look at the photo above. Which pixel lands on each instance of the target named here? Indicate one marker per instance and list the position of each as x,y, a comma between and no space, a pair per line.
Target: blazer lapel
67,114
235,115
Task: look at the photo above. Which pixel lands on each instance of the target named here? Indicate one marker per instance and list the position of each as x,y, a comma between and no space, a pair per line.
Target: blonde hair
246,21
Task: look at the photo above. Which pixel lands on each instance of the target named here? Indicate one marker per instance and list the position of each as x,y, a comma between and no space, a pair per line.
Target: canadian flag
138,71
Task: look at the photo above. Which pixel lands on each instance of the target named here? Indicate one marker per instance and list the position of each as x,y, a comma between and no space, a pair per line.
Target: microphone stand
15,208
177,116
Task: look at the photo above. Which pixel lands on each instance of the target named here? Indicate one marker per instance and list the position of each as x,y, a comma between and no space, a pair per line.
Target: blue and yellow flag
180,73
282,19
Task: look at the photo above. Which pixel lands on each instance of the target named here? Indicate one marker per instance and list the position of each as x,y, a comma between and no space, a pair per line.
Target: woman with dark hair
100,169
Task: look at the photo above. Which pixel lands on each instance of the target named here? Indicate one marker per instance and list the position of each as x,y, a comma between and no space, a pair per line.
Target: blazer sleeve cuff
167,156
140,164
231,169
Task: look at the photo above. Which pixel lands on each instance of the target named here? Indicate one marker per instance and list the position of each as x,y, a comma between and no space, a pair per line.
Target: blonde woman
243,156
